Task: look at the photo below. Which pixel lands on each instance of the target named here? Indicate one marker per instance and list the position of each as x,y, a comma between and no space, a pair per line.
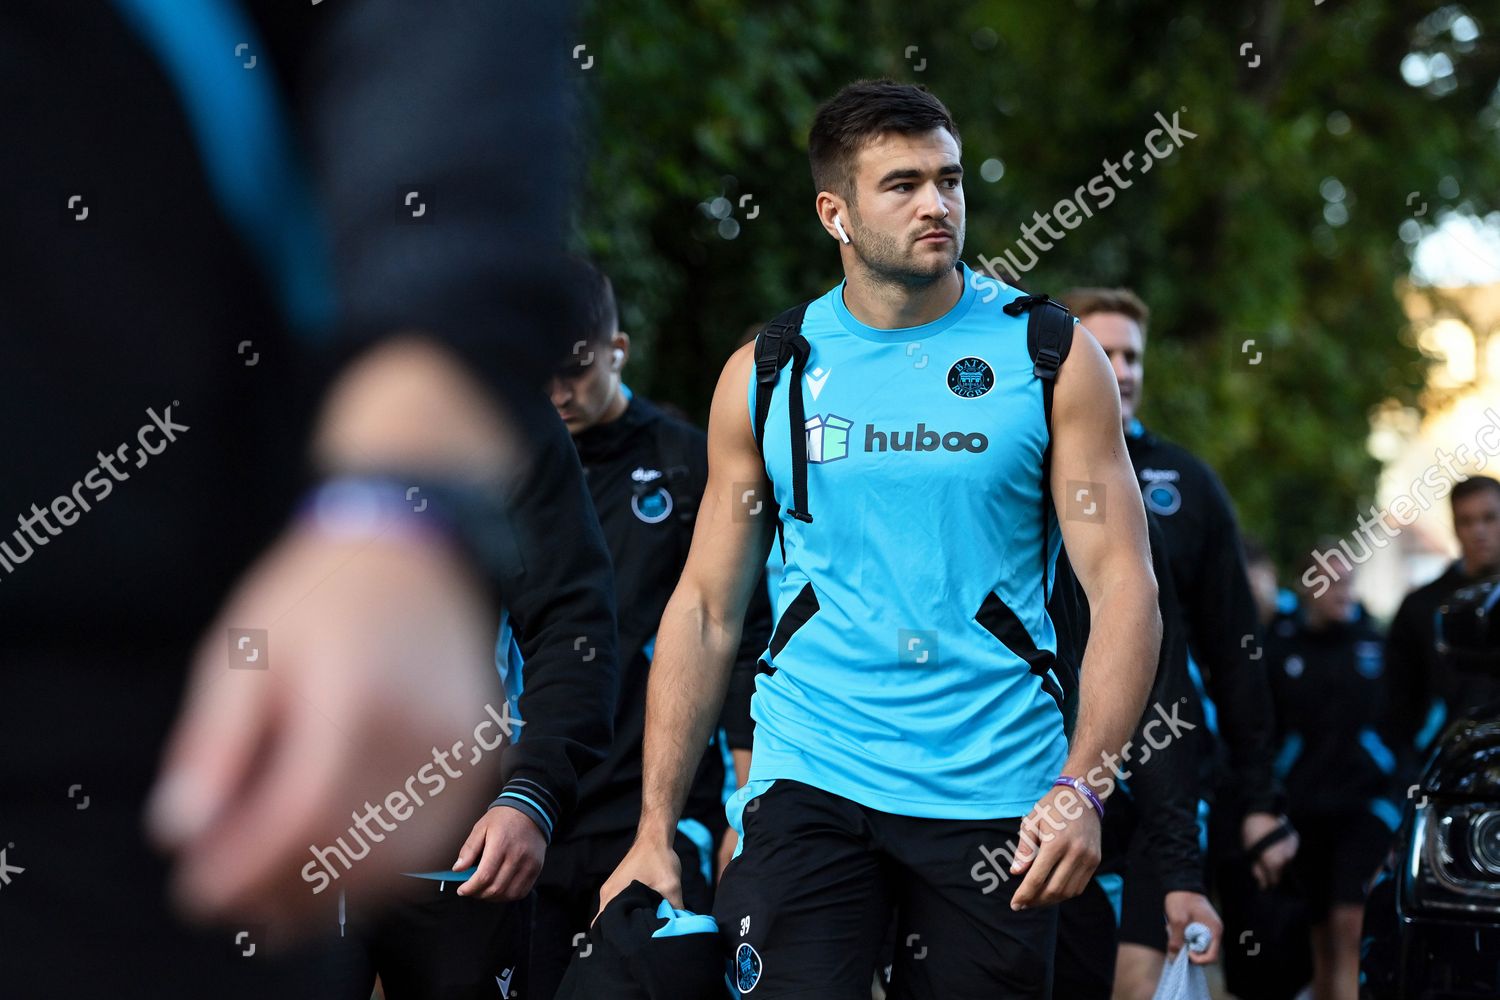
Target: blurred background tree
1288,220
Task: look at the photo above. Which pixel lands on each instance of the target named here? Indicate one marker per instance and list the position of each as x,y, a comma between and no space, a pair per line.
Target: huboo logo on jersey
828,439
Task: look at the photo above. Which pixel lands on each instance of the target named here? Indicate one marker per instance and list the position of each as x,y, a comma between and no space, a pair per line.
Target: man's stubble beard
888,260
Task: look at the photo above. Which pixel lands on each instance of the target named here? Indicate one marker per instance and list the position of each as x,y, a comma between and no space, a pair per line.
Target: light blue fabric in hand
1181,980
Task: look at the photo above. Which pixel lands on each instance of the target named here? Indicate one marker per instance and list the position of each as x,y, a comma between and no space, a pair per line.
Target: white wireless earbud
619,357
839,227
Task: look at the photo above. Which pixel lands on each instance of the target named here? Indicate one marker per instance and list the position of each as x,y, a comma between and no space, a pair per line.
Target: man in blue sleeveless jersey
909,713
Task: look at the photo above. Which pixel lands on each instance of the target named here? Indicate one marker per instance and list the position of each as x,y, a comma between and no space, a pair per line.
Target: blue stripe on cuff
535,791
528,806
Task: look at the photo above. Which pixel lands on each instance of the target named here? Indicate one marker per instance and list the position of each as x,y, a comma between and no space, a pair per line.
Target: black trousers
433,944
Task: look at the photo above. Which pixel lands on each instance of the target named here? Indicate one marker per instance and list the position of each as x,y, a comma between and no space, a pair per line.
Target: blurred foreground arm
379,635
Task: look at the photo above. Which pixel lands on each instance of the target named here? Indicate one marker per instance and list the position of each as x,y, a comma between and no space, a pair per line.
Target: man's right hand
652,865
379,652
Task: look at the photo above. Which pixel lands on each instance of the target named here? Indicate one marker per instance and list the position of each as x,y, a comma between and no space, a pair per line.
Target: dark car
1432,918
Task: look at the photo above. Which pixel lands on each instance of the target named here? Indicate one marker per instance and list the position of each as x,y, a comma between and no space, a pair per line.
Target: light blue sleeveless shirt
906,607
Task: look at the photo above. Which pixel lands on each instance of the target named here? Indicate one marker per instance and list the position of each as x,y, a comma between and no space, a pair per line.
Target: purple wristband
370,506
1078,786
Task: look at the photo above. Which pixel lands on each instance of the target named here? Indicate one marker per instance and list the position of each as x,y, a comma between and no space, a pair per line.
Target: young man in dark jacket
1425,691
646,471
1219,612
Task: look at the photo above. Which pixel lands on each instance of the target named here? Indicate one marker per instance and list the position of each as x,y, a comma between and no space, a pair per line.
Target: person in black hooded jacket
1150,838
646,471
1223,633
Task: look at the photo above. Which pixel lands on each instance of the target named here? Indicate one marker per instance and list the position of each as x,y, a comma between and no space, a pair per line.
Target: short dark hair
865,110
1472,486
1083,301
594,302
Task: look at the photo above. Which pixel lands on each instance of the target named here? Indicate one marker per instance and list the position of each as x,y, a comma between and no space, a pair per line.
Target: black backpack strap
770,355
1049,337
782,341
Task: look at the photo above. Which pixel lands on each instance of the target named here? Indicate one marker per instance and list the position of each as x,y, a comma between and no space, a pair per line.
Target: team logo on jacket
970,377
1159,490
1163,498
747,968
653,507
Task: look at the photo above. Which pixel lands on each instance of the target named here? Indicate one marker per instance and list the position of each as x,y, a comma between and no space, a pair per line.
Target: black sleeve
463,103
756,634
1166,784
1224,632
1407,694
562,605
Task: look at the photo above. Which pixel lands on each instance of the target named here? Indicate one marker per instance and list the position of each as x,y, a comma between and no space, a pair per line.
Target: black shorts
805,907
1086,934
433,944
1143,915
567,898
1338,857
1122,907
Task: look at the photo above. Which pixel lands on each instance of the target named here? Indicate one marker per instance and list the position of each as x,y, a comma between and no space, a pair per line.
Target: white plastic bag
1182,980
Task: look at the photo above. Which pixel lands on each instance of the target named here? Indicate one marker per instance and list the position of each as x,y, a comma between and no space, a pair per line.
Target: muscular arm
1104,532
700,628
1166,784
1109,553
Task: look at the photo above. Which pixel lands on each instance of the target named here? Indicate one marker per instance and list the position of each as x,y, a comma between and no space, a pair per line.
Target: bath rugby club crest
970,377
747,968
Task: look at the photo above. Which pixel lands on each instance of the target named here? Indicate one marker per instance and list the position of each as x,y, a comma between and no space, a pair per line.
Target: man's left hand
1185,908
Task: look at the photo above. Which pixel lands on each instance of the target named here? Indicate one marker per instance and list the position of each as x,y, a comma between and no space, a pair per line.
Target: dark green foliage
691,100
